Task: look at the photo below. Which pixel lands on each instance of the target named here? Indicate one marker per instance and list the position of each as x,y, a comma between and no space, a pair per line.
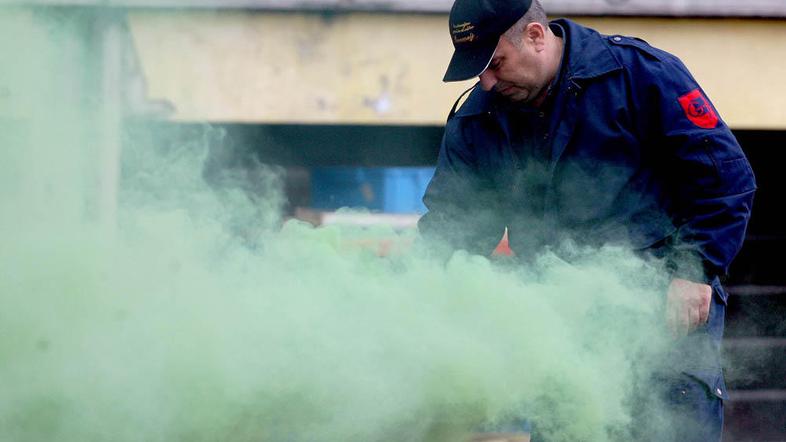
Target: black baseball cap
475,28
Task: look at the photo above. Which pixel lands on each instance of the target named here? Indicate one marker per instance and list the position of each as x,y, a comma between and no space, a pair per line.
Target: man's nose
487,80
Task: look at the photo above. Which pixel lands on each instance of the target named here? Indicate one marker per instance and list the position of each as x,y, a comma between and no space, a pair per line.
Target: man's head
507,43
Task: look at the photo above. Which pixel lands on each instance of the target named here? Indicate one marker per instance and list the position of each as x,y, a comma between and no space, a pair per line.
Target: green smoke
200,318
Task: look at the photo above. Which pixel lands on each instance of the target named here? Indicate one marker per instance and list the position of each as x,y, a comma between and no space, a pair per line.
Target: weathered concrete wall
60,112
363,68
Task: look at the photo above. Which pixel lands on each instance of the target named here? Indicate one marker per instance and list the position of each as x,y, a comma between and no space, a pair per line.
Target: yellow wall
363,68
359,68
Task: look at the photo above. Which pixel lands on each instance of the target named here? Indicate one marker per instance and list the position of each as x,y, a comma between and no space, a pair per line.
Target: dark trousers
686,411
678,408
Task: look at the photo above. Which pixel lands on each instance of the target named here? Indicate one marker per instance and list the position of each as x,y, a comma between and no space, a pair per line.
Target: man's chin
511,94
518,97
524,97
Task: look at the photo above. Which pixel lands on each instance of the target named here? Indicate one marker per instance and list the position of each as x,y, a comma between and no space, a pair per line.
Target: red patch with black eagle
698,109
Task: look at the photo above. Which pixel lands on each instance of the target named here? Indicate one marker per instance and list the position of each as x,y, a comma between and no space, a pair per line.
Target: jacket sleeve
462,205
707,174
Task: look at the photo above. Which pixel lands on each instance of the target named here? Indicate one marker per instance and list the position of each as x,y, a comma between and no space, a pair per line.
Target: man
604,140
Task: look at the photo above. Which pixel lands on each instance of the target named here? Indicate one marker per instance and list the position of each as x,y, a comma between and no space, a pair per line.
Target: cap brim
469,63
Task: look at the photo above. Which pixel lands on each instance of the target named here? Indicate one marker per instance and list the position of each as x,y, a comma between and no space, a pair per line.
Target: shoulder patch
698,109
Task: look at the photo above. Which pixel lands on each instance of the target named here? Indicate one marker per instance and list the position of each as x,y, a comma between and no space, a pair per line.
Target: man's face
517,71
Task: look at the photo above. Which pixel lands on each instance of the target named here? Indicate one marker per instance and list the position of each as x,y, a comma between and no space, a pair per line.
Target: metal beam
682,8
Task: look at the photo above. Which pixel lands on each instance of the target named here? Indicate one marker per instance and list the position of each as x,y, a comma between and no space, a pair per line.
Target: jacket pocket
710,383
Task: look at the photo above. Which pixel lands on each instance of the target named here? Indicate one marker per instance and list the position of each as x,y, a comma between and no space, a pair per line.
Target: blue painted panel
382,189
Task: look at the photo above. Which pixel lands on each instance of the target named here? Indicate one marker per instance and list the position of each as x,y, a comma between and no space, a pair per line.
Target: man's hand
687,306
501,437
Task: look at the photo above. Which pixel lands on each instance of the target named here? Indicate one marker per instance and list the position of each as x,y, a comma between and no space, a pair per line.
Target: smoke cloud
197,314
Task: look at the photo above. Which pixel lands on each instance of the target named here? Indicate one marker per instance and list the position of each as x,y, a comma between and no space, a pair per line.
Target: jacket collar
588,57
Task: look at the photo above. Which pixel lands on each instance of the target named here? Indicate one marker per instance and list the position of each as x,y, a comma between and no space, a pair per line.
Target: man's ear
535,35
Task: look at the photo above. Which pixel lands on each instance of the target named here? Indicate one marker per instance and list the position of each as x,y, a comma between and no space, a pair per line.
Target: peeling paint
284,60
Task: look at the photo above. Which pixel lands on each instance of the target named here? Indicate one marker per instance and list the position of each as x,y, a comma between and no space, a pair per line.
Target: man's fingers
693,319
671,319
704,314
704,309
678,320
687,306
685,321
518,437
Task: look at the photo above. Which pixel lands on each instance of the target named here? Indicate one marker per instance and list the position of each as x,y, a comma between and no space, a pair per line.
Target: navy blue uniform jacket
638,156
